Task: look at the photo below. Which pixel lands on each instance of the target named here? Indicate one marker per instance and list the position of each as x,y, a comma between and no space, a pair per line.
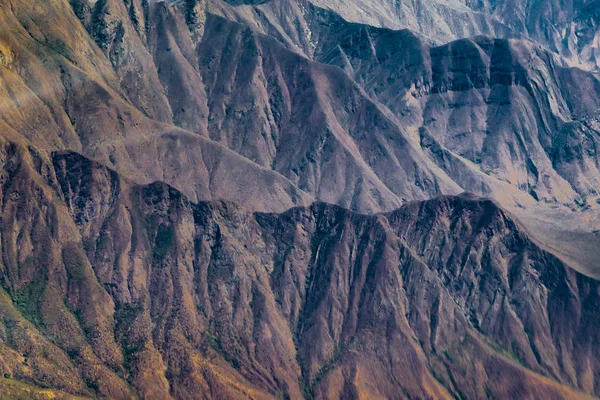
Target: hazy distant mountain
570,28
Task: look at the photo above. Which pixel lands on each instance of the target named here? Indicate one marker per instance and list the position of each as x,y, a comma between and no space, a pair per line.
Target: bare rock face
462,99
65,92
114,29
404,122
308,121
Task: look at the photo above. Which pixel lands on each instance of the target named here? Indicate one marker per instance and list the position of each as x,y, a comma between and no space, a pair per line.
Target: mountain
501,111
371,142
534,134
267,199
569,28
122,290
475,91
59,91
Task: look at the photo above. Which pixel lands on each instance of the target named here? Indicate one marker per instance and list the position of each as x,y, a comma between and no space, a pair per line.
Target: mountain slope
502,118
369,147
476,92
136,290
60,92
114,285
318,128
111,129
569,28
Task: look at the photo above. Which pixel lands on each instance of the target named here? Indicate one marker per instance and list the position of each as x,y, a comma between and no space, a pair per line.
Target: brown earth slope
120,290
59,91
113,286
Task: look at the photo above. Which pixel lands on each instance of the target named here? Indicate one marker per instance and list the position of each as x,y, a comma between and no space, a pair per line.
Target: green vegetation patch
165,238
27,300
74,261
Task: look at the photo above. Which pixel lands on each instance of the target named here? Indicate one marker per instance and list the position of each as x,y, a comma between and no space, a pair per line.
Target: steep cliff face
121,290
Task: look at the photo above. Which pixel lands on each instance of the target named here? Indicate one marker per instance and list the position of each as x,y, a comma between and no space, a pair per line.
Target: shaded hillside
422,110
59,91
118,117
569,28
509,108
136,291
486,111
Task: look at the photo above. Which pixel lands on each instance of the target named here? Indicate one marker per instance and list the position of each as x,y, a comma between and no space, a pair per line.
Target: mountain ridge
105,222
369,132
228,229
165,174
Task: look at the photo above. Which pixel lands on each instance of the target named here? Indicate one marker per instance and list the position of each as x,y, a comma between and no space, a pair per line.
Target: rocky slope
117,285
59,91
502,118
569,28
397,126
124,124
458,99
120,290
